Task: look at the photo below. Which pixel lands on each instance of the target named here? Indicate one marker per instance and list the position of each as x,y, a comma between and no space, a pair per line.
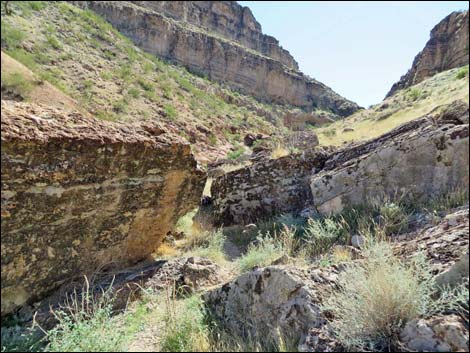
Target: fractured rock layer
421,158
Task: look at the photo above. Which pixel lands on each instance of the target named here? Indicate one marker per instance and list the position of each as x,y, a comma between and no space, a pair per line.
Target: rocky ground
116,238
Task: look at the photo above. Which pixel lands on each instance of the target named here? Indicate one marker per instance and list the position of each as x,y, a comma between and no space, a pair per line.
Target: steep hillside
446,49
88,60
210,51
405,105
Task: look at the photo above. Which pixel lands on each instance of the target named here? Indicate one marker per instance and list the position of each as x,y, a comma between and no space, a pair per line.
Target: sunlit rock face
80,193
223,41
446,49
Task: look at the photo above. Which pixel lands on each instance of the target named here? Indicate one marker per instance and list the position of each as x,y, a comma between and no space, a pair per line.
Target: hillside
88,60
206,47
429,96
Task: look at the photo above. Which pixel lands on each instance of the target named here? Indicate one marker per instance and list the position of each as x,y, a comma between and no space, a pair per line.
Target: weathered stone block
80,193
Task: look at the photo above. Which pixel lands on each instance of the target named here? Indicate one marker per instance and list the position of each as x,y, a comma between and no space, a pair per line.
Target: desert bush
209,245
170,111
393,218
271,246
463,72
378,296
321,234
17,84
185,327
262,253
234,155
414,93
11,37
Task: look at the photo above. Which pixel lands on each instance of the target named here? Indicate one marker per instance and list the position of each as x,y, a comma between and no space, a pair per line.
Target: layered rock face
219,41
79,194
446,49
228,19
422,158
264,189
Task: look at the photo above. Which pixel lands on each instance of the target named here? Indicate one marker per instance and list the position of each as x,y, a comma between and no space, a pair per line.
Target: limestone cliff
223,41
228,19
79,194
446,49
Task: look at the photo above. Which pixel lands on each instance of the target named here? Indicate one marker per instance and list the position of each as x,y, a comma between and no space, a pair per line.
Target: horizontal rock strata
206,50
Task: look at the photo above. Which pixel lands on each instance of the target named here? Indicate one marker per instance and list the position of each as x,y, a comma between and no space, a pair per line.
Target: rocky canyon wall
446,49
226,44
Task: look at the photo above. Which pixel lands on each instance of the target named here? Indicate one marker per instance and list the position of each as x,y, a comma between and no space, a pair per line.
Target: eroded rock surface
272,303
424,157
264,189
443,333
445,246
446,49
79,193
220,43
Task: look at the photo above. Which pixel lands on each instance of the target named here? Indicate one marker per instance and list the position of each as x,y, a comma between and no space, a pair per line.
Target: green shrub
146,85
134,92
185,328
53,42
21,55
11,37
17,84
414,93
263,253
234,155
120,106
463,72
209,245
378,296
321,234
393,218
170,111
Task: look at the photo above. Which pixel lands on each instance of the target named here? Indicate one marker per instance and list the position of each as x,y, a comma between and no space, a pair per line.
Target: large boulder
264,189
424,158
80,193
273,303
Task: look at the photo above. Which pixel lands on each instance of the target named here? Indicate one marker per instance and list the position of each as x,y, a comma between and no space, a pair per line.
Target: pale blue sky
358,48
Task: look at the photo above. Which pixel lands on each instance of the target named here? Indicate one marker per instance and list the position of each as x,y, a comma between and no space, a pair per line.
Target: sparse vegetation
378,296
17,84
463,72
170,111
236,154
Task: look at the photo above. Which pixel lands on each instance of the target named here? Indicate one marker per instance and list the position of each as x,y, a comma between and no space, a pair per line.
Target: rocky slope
284,302
430,96
424,157
212,54
447,48
79,194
